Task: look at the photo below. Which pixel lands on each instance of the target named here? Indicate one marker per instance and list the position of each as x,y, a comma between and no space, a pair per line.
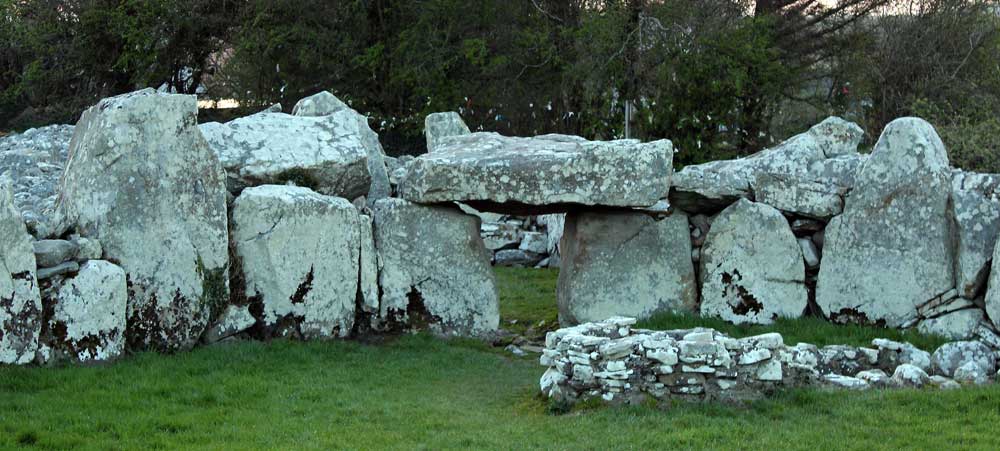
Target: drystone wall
613,361
225,231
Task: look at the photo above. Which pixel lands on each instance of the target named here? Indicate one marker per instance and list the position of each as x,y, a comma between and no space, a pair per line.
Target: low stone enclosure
139,229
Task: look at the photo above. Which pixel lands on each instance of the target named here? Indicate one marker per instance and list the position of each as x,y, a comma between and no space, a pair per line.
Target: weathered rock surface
752,269
890,251
324,153
449,286
992,298
142,180
49,253
438,126
539,175
34,161
808,174
909,376
624,264
233,320
516,258
976,209
20,302
88,314
951,356
301,255
958,325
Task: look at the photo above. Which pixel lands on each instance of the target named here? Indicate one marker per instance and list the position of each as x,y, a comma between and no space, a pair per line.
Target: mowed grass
418,392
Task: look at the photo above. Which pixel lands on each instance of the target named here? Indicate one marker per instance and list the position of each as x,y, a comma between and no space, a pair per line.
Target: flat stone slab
544,174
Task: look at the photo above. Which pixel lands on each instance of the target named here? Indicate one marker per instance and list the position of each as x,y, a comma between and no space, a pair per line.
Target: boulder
952,356
301,255
438,126
890,252
142,180
909,376
893,353
516,258
322,103
958,325
976,210
624,264
20,302
87,319
324,153
752,269
972,373
799,170
449,286
544,174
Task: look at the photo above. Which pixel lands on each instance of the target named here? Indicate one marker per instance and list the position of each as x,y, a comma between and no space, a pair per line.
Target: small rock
50,253
809,253
58,270
89,249
952,356
907,375
972,373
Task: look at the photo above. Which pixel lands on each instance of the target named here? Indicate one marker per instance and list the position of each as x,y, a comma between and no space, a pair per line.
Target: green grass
527,297
424,393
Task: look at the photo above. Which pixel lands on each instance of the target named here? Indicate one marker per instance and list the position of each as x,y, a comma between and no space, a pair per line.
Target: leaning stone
20,302
301,256
627,264
810,199
909,376
810,254
234,320
951,356
802,162
545,174
890,250
142,180
960,325
751,267
49,253
329,154
58,270
87,323
976,210
449,286
323,103
438,126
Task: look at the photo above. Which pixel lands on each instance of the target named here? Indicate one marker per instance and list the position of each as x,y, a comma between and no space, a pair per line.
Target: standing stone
890,251
20,304
433,270
752,269
544,174
87,323
301,255
976,209
142,180
992,299
438,126
624,264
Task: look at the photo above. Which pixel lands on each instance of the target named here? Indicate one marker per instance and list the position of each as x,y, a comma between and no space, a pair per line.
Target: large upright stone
142,180
20,304
890,251
324,145
433,270
549,173
87,322
624,264
751,266
976,209
801,170
301,255
438,126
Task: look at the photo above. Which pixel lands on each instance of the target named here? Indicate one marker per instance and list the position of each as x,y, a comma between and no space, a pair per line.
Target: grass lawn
419,392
